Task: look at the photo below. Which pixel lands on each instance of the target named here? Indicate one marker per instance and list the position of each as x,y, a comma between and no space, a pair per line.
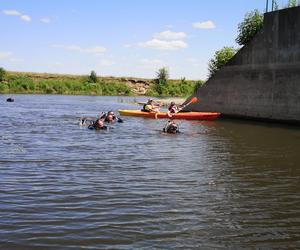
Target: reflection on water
221,184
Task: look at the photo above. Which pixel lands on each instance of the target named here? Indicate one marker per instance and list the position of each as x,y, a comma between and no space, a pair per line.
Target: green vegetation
221,57
93,77
165,87
34,83
58,84
252,23
2,74
247,29
293,3
161,81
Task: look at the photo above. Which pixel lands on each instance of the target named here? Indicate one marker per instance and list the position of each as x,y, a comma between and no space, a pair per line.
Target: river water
220,184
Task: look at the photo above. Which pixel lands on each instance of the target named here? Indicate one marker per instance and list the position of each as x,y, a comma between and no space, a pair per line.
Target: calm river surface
221,184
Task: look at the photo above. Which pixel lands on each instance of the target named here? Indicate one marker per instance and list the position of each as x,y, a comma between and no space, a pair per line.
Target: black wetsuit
97,128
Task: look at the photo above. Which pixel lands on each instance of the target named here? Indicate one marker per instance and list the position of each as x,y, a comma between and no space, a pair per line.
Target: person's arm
120,120
156,104
103,115
179,108
154,109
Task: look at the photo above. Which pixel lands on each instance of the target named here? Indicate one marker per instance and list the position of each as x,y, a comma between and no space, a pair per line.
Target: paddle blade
193,100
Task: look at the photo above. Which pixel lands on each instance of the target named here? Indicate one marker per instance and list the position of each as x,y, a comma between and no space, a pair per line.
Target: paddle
193,100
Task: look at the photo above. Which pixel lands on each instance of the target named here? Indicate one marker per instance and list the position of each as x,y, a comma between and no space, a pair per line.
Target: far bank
44,83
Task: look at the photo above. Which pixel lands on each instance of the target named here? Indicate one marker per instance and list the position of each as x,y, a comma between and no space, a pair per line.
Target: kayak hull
200,116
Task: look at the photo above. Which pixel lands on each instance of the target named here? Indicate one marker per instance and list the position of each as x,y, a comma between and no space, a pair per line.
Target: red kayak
207,116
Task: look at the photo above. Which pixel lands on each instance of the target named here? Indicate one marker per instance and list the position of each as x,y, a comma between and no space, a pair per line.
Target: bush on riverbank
2,74
221,58
181,88
247,29
164,87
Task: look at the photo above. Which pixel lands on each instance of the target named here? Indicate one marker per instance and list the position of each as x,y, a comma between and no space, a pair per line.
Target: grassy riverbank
35,83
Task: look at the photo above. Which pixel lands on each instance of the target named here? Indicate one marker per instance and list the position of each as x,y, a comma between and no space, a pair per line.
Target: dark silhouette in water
10,99
171,128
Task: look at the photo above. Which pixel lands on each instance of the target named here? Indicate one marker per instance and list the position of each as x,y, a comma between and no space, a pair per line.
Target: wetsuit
97,128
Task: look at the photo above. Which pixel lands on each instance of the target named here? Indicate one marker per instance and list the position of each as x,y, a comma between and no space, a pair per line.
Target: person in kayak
110,117
173,109
98,125
171,128
150,106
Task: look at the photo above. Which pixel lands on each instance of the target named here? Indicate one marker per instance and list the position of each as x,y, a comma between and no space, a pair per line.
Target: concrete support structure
262,81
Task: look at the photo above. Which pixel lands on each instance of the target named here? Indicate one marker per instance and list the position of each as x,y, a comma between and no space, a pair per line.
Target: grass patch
26,85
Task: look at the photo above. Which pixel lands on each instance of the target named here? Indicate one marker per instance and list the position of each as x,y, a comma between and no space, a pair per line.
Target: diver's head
172,128
99,123
109,118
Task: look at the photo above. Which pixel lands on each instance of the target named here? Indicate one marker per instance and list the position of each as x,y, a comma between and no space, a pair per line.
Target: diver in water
98,125
171,128
110,117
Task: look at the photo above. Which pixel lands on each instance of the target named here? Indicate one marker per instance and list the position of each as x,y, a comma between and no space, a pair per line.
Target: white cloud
152,61
9,56
97,50
192,60
26,18
5,55
169,26
170,35
58,64
105,62
11,12
163,45
16,60
45,20
204,25
94,50
151,64
127,45
72,47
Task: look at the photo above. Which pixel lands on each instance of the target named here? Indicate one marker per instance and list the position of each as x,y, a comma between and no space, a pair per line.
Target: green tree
162,76
252,23
2,74
93,77
292,3
220,58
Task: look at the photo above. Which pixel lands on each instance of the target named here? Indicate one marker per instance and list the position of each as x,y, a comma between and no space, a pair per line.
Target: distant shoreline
64,84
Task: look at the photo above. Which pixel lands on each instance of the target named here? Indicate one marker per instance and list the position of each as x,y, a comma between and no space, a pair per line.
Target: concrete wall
263,79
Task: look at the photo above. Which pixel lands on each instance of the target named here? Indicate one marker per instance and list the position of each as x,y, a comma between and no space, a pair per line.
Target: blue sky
118,37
